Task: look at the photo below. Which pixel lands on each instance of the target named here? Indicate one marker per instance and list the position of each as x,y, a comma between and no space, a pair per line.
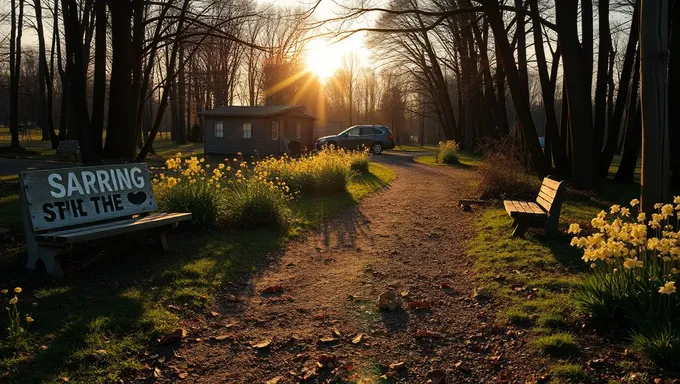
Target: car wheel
377,149
332,145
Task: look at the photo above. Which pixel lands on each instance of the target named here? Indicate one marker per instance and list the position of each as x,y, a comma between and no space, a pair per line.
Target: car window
377,131
367,131
354,132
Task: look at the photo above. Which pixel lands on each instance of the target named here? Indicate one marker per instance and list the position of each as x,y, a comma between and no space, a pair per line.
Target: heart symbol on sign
137,198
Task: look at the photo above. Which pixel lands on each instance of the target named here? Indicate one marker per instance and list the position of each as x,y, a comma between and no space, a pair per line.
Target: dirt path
409,238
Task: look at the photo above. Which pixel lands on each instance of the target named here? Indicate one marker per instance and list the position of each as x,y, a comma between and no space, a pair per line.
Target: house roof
262,111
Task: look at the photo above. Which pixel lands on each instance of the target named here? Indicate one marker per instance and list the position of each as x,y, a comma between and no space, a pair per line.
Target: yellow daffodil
668,288
13,300
574,229
29,319
17,290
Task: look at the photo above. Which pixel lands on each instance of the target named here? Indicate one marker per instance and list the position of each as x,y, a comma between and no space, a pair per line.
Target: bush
328,171
447,152
636,264
255,203
199,197
196,133
504,173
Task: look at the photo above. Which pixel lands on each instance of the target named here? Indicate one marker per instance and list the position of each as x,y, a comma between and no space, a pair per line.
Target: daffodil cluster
17,324
645,249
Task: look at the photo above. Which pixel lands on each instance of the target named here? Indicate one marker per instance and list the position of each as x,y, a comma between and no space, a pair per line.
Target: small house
265,130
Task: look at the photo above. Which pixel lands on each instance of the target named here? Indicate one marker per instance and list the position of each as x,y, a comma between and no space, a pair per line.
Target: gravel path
323,324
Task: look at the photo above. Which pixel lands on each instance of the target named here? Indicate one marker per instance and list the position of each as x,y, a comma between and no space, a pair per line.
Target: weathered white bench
544,213
65,206
67,148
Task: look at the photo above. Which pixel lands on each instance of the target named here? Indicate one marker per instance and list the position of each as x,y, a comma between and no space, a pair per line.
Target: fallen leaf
43,347
262,344
174,336
327,340
398,365
65,379
221,337
336,333
232,299
319,316
183,375
214,314
157,372
357,339
232,324
275,380
419,305
423,333
461,366
273,289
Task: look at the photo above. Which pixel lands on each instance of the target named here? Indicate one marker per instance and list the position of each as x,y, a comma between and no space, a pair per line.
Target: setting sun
323,59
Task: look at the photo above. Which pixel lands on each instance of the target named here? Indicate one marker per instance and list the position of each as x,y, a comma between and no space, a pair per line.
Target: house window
247,131
298,131
219,129
275,130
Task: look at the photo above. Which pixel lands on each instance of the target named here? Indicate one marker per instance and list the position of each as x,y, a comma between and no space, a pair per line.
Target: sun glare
322,59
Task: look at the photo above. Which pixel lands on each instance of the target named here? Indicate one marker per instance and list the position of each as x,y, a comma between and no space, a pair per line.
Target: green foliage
557,345
18,324
635,263
255,204
570,373
328,171
200,198
661,346
447,152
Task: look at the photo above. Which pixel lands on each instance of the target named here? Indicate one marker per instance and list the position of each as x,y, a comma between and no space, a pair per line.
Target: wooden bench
65,206
544,213
67,148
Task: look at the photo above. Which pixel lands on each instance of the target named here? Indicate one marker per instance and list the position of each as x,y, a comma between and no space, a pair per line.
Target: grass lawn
464,158
120,299
415,148
532,278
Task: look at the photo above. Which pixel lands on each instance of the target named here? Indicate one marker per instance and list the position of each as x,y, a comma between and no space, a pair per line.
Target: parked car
376,137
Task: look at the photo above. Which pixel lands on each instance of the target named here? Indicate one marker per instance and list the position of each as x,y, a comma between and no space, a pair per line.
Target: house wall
261,141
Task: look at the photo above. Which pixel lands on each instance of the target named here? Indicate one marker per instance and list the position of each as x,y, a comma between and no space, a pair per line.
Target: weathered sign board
71,196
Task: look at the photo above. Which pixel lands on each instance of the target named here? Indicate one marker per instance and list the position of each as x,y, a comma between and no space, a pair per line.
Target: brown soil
409,238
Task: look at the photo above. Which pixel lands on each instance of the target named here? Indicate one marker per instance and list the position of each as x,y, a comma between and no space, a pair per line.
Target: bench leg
161,240
519,228
49,257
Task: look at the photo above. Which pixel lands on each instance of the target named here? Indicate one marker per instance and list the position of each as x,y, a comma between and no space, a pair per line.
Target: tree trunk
602,79
518,92
552,136
674,98
44,85
181,97
653,95
578,95
633,140
74,55
621,97
15,71
99,89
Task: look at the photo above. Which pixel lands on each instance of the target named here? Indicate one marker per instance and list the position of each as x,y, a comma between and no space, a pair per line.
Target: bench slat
523,209
545,204
114,228
551,183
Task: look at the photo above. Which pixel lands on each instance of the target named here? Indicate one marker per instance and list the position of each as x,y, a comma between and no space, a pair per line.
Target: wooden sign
71,196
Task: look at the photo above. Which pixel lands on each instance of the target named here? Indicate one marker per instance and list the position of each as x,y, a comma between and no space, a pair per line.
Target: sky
325,54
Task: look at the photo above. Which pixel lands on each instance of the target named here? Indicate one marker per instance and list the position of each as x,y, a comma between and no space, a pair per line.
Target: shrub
256,203
636,264
330,170
196,133
447,152
504,173
188,190
661,346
